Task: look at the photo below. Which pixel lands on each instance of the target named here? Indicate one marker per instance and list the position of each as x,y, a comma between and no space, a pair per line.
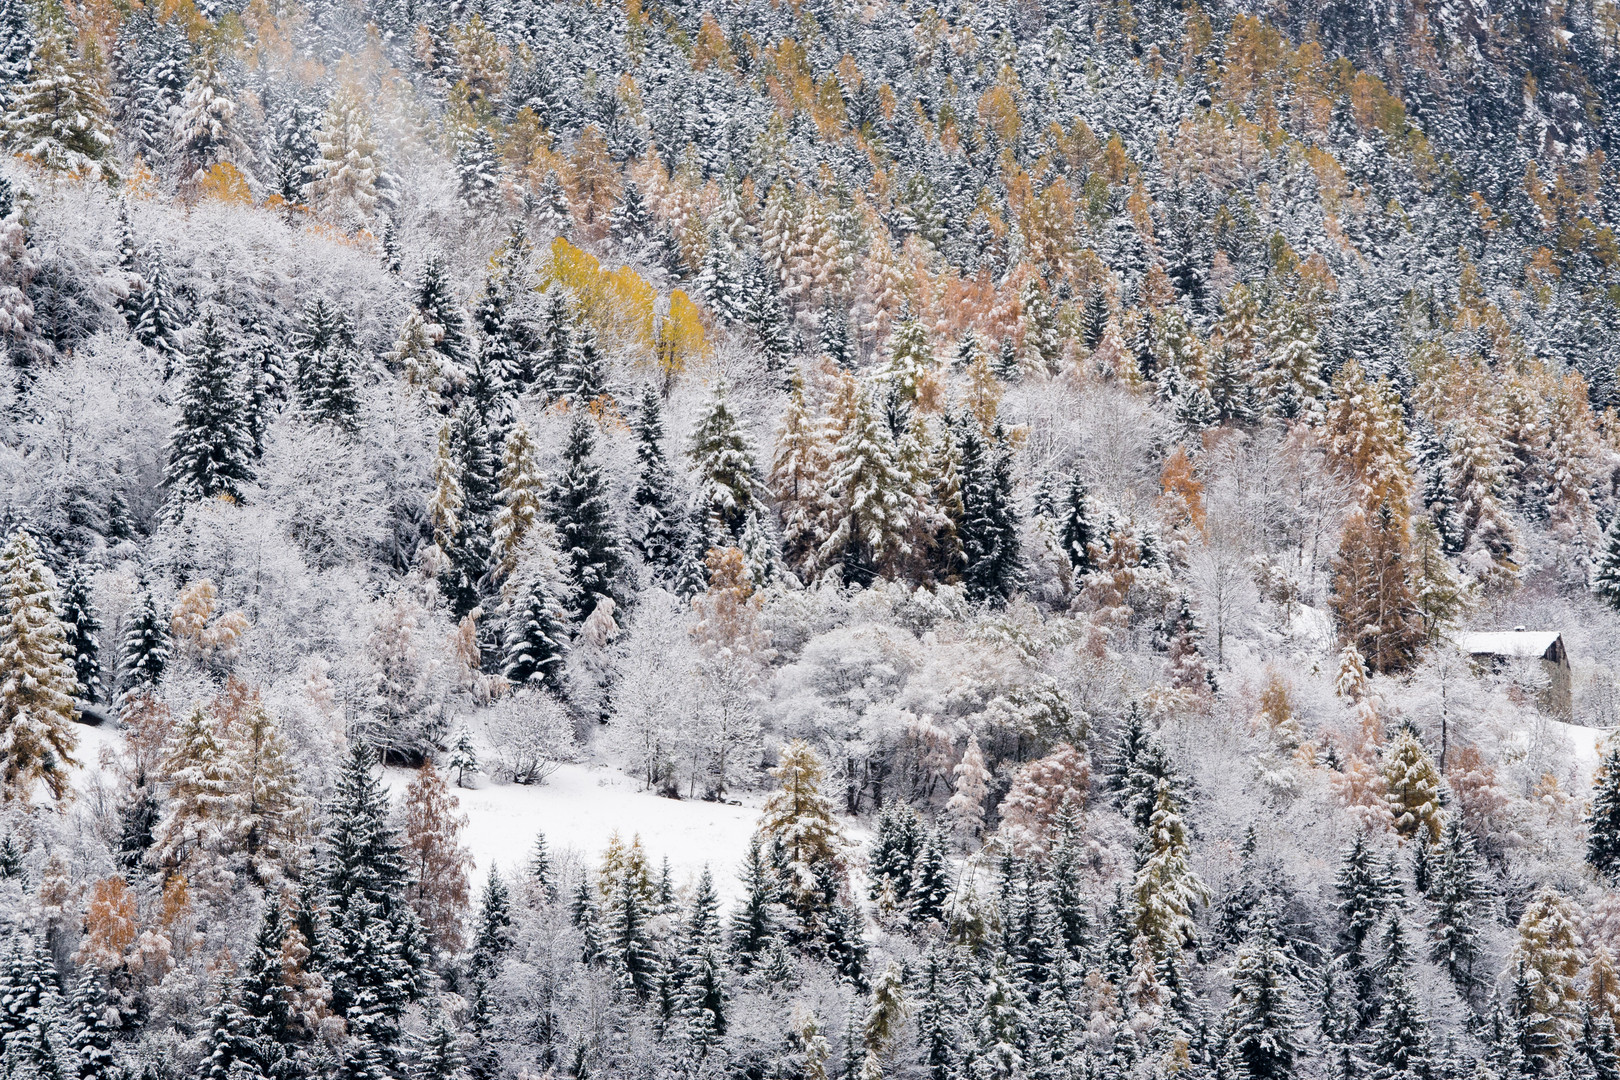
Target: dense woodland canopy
1039,456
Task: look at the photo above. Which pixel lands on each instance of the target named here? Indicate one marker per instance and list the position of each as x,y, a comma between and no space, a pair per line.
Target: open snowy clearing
580,807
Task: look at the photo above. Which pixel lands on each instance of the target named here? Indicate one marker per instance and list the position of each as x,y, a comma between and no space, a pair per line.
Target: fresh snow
580,807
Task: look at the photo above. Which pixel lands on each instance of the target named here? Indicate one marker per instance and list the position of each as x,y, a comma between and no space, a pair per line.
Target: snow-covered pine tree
872,505
82,624
727,475
344,177
1603,819
57,118
799,819
145,649
478,171
156,323
587,536
1457,892
1262,1017
211,448
989,529
537,637
37,682
205,126
657,532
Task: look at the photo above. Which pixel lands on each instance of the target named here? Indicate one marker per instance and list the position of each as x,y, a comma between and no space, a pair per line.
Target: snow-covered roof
1508,642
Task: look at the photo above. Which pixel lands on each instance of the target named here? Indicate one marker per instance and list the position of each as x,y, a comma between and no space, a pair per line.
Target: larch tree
1546,959
971,788
522,490
345,174
37,682
798,479
799,816
1413,786
1167,889
430,825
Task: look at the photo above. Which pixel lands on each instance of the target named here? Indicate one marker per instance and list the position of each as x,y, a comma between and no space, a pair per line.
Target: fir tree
1603,820
91,1043
627,945
1261,1018
211,449
657,531
56,119
754,922
37,682
478,171
463,756
145,652
537,638
80,620
989,529
586,534
728,478
492,928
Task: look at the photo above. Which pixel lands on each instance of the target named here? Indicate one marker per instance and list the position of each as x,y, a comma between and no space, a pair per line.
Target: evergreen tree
156,323
79,619
478,171
657,532
57,119
586,534
469,552
537,638
540,870
872,507
1603,819
989,530
627,945
754,922
90,1043
492,928
145,652
1261,1018
727,475
37,682
1457,891
16,47
211,448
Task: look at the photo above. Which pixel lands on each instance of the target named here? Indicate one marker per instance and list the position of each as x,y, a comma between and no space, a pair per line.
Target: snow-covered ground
580,807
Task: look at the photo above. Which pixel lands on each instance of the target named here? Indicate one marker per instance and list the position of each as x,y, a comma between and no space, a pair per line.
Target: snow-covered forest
790,539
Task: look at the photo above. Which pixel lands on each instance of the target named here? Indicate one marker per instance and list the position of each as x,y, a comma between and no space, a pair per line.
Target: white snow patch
580,807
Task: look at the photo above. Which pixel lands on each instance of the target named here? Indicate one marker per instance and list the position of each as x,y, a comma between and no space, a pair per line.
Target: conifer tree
972,786
627,945
347,171
586,534
437,860
492,928
1413,784
657,533
469,552
463,756
90,1043
521,500
1546,954
989,529
583,376
1603,820
798,817
1076,531
1400,1047
1262,1018
205,126
1166,888
727,475
872,505
80,620
754,923
37,682
156,323
57,119
478,171
145,652
537,638
1457,892
211,448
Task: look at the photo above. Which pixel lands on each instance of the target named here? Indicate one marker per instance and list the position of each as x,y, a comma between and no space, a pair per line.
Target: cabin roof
1532,643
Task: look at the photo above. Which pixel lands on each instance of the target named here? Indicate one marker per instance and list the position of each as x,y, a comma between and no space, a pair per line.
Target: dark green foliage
587,534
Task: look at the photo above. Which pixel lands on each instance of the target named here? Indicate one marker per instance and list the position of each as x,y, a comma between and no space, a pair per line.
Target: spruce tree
1262,1019
989,530
537,638
90,1043
586,533
37,682
80,620
1603,820
627,943
657,531
57,119
211,448
754,922
492,936
156,323
469,552
145,652
1457,892
727,474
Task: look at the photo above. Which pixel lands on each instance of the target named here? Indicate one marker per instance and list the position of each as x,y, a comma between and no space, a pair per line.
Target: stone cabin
1494,648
